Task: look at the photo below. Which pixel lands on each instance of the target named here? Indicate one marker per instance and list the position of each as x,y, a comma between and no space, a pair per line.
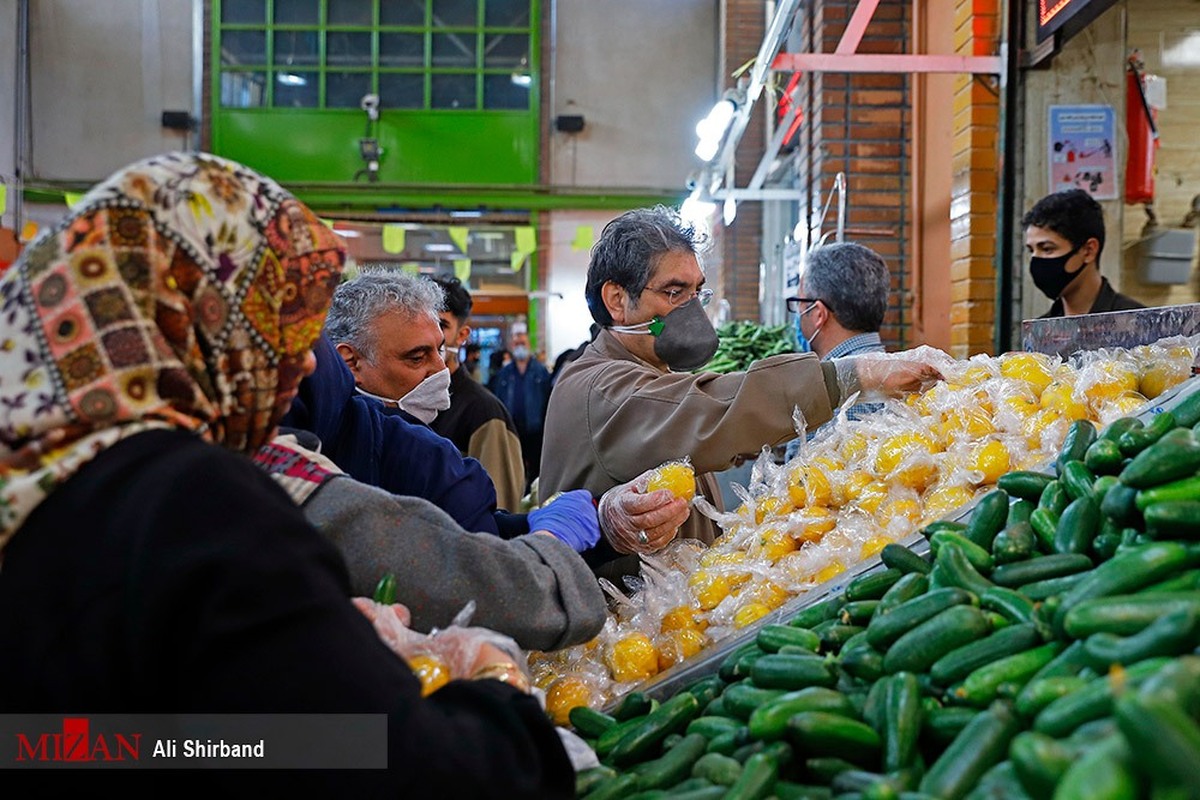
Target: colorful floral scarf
183,292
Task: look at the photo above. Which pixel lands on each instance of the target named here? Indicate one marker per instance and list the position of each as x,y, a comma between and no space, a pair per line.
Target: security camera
370,104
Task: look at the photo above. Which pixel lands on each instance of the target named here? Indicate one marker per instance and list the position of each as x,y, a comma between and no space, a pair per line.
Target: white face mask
425,399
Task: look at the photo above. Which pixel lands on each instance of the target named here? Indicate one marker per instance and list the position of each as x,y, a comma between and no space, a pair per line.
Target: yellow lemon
431,671
813,523
901,507
709,588
679,646
775,544
941,500
797,494
563,695
829,571
1032,368
766,507
853,447
749,613
682,618
991,459
871,496
633,658
1161,376
1106,380
1126,403
1060,396
873,545
677,477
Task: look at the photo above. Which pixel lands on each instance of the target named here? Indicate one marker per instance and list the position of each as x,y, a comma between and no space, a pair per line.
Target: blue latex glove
571,516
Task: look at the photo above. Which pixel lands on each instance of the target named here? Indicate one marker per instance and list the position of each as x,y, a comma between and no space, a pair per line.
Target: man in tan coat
631,402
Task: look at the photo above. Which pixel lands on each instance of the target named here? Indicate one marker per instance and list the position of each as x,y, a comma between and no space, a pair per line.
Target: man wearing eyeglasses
844,294
631,401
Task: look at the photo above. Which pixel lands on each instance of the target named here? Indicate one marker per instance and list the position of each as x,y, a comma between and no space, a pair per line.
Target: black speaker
568,123
177,120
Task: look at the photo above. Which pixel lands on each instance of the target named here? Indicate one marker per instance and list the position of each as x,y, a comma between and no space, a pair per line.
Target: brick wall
860,124
975,185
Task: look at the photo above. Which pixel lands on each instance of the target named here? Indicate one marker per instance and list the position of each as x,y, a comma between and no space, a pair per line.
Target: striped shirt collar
859,343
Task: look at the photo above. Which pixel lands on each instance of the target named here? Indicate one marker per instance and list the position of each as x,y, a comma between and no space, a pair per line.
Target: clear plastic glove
467,652
571,517
637,522
878,377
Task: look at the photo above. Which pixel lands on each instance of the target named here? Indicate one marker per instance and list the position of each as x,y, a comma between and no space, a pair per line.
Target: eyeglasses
677,296
793,303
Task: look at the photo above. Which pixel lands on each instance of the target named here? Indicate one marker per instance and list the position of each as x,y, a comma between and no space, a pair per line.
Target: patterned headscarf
183,292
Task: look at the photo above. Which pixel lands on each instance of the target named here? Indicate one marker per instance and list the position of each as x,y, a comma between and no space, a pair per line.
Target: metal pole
21,116
1010,98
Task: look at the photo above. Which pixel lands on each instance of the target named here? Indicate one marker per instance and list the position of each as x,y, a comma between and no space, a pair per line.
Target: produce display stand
1052,336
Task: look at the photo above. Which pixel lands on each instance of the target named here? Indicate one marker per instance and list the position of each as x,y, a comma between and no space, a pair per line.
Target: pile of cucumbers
740,344
1047,648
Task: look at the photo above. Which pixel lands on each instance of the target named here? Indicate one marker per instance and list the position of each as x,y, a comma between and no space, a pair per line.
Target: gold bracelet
505,672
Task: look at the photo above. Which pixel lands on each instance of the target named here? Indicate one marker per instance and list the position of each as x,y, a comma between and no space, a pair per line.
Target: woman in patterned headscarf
144,567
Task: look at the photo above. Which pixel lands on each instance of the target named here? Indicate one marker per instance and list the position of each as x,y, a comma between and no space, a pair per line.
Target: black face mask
1050,273
684,339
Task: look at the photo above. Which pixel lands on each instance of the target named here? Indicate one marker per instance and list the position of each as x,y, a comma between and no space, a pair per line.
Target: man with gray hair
385,326
636,397
843,296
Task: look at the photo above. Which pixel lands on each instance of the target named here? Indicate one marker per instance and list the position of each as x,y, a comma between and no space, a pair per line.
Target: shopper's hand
571,517
880,376
634,522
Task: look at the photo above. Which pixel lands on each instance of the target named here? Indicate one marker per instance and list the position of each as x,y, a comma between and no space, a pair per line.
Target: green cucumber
872,585
1120,505
1104,457
588,779
1038,569
777,671
1178,683
1170,635
987,518
953,568
1135,441
1118,426
818,612
772,637
769,721
834,634
1019,512
920,647
902,715
727,743
1127,571
981,686
942,525
1176,455
757,779
1016,542
863,662
1166,740
897,556
1041,692
1044,523
674,765
710,726
819,733
1102,772
717,768
741,699
914,584
981,745
616,788
1124,615
634,704
1103,485
1182,489
1175,519
1094,701
1187,411
1186,581
1080,435
943,724
979,558
859,612
1054,498
1078,526
962,661
1012,604
887,628
706,689
1045,589
670,717
385,590
588,722
1040,762
737,665
1077,479
1025,484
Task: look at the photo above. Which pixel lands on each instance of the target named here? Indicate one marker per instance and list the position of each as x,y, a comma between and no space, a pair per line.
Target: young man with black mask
1064,234
631,401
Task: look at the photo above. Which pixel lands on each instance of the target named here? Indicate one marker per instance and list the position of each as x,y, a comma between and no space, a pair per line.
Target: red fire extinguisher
1141,124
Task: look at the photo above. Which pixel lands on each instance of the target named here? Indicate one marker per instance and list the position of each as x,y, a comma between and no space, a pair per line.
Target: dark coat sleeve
188,582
